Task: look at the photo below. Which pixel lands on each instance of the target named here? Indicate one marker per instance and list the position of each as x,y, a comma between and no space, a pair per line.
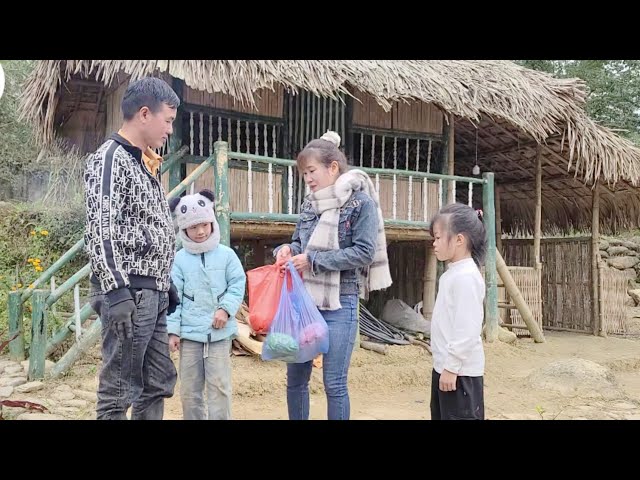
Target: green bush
32,237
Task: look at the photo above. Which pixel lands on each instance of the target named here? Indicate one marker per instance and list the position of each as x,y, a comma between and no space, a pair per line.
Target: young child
211,284
456,325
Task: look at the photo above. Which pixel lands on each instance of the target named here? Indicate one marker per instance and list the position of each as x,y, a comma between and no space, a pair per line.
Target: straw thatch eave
505,105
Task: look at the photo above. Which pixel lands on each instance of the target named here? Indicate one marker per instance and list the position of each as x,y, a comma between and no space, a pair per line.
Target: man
131,243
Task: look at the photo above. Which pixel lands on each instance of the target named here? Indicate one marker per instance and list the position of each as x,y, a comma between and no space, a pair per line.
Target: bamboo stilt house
527,127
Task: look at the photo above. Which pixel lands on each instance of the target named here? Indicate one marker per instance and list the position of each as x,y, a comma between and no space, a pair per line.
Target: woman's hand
301,263
284,255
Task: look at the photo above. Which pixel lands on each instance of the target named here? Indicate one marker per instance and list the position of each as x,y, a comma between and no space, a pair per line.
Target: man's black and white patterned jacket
129,233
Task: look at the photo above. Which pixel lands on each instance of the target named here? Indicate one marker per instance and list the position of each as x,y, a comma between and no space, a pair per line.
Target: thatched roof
485,94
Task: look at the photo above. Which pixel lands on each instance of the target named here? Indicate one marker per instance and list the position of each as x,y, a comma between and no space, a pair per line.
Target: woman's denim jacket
357,236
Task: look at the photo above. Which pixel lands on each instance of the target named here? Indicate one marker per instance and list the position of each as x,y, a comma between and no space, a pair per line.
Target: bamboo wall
402,198
84,129
238,188
80,119
613,293
566,279
528,282
114,108
408,117
268,103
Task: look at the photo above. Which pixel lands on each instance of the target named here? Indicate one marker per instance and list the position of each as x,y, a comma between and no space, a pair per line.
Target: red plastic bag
265,285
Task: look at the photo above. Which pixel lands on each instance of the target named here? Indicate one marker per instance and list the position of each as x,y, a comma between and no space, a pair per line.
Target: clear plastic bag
298,332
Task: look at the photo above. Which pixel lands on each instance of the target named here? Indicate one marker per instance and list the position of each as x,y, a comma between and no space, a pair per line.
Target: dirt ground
397,385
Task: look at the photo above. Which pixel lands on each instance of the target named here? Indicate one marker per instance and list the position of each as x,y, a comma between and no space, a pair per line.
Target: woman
340,250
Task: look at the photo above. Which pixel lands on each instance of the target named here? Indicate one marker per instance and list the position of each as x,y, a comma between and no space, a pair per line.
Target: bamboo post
595,273
221,173
38,335
16,327
537,234
430,273
450,159
442,194
175,171
600,295
175,142
498,219
518,299
491,303
504,313
284,189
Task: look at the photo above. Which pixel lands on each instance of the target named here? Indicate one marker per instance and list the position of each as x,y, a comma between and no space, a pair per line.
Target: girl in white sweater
456,325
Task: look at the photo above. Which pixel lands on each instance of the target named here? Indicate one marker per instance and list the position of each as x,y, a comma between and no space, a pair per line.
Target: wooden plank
564,329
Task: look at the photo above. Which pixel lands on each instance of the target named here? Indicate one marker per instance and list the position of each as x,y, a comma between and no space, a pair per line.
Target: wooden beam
233,114
518,299
252,230
406,234
434,137
86,83
260,230
564,329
